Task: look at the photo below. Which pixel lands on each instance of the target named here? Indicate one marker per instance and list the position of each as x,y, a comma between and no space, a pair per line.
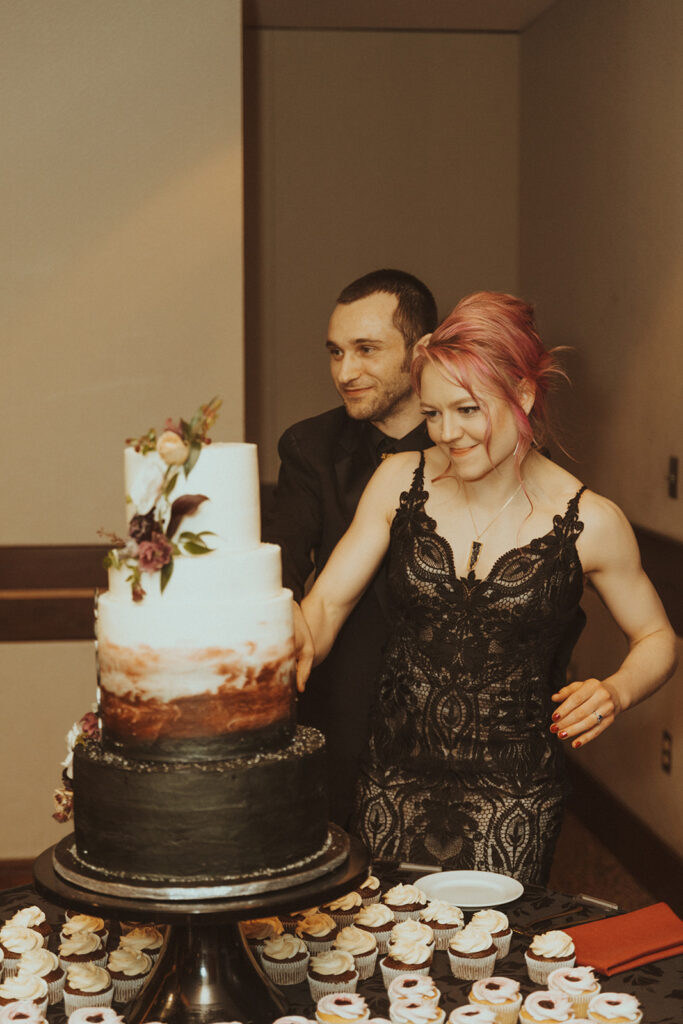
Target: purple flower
142,527
90,726
64,804
155,553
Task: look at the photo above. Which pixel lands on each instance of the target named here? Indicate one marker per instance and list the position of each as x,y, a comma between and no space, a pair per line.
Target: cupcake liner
471,968
283,972
506,1013
382,938
389,973
442,936
319,945
126,988
538,970
74,1002
10,967
369,900
342,920
99,961
55,990
439,1010
580,1002
406,915
502,944
319,989
365,964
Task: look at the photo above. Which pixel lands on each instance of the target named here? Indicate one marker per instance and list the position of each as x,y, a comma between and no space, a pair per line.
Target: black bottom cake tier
201,821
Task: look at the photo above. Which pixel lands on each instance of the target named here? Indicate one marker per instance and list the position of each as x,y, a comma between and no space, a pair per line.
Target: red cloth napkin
621,943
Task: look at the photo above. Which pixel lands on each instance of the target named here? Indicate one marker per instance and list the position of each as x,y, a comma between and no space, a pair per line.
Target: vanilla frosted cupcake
341,1008
318,931
87,985
76,924
32,917
45,964
444,920
285,959
24,986
15,940
412,929
406,1010
259,929
501,995
361,945
472,953
146,938
405,901
407,955
614,1008
82,948
128,968
378,920
331,971
370,891
546,1008
472,1015
95,1015
498,926
22,1012
579,983
344,909
414,986
293,1018
547,953
292,919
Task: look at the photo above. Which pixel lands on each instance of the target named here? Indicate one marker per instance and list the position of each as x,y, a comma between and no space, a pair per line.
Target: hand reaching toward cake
303,649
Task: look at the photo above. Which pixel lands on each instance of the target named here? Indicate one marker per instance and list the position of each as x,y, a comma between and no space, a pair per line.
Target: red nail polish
554,728
562,735
556,716
576,744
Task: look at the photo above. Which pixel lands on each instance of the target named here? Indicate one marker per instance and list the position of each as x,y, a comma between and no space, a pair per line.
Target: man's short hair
415,314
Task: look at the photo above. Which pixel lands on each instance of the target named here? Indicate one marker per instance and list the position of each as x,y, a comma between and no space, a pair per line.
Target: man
326,461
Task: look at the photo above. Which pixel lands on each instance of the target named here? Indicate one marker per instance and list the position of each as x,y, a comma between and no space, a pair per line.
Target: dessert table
658,986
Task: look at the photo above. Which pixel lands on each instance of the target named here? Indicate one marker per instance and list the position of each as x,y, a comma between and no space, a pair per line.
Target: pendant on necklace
474,555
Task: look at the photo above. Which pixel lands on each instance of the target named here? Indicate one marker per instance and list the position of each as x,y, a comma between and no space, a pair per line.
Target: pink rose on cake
155,553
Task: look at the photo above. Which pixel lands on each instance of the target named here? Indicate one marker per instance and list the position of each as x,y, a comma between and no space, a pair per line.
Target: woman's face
458,425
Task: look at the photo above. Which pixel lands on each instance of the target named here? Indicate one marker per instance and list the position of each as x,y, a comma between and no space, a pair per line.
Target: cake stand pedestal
206,973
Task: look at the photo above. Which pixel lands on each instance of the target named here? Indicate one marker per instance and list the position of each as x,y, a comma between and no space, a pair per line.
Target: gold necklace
475,550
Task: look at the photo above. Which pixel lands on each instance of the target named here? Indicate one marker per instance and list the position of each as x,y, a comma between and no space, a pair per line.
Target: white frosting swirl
80,944
82,923
333,961
284,947
371,882
349,1006
260,928
404,895
95,1015
30,917
472,1015
24,986
347,904
39,961
375,916
293,1018
471,939
24,1010
18,939
442,913
613,1005
552,945
412,929
409,950
87,978
495,990
545,1006
355,941
146,936
573,980
492,920
318,926
406,1010
414,986
129,961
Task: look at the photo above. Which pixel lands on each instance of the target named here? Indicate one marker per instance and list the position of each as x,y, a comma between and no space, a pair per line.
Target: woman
488,546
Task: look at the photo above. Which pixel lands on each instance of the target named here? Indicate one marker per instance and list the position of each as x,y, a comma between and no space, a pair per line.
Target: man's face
369,363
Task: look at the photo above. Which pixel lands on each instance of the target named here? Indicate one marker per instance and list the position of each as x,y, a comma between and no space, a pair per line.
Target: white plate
470,889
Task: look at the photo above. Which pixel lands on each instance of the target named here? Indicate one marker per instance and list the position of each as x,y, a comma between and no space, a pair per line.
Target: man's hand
303,648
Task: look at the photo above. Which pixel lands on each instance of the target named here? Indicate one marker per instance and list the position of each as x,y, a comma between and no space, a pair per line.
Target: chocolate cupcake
23,986
15,940
128,969
547,953
444,920
344,909
370,891
331,971
362,946
87,985
472,953
404,956
33,917
405,901
82,948
146,939
378,920
258,930
496,924
77,924
285,959
318,932
45,964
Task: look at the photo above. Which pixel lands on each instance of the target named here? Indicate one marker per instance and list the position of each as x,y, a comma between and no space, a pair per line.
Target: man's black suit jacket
326,461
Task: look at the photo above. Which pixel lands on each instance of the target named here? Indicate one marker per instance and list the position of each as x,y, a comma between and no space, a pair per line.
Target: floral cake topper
153,540
87,728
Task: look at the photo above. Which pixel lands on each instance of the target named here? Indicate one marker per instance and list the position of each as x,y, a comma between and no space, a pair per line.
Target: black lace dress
461,768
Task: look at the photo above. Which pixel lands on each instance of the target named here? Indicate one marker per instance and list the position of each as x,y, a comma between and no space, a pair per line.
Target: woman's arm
609,554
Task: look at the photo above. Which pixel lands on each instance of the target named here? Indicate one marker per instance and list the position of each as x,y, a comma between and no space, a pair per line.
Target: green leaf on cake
195,448
165,574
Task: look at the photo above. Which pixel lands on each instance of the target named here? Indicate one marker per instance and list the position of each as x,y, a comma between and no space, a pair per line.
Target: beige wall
368,149
120,300
602,255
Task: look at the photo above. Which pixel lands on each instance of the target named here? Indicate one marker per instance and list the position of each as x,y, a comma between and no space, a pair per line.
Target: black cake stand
206,972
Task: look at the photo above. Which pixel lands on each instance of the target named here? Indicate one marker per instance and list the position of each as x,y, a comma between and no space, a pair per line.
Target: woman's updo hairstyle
490,344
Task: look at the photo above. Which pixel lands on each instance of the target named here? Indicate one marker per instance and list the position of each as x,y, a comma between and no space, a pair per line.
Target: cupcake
579,983
128,969
285,959
22,1012
501,995
76,924
341,1008
471,1015
614,1008
405,901
548,952
362,946
546,1008
444,920
95,1015
413,986
87,985
32,917
331,971
15,940
23,986
82,948
405,956
406,1010
344,909
45,964
293,1018
290,921
259,929
471,953
496,924
378,920
412,929
318,932
146,938
369,891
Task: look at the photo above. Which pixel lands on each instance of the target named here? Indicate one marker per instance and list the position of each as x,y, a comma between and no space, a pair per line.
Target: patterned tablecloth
658,986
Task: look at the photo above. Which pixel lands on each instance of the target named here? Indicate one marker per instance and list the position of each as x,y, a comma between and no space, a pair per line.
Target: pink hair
490,342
